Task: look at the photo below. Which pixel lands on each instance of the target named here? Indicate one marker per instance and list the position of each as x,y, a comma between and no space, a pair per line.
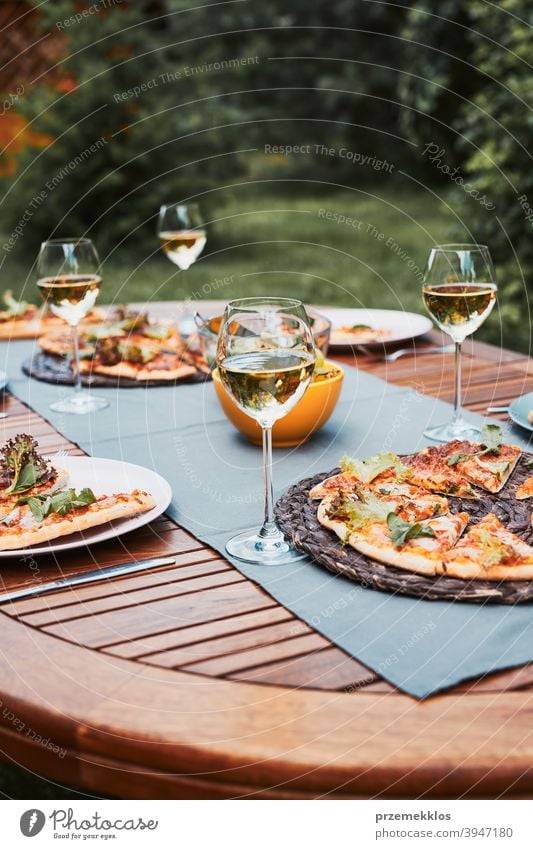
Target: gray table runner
420,646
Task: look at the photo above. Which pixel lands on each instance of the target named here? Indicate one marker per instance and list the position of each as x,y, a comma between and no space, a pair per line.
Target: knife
87,577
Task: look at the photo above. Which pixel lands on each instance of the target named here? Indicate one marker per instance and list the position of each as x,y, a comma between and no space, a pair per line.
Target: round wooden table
189,681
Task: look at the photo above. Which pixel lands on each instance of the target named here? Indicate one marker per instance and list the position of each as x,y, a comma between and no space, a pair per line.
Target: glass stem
76,362
269,529
457,404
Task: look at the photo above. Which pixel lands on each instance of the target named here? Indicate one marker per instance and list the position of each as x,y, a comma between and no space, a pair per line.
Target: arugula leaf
491,437
360,327
401,531
367,470
529,464
26,478
453,459
61,502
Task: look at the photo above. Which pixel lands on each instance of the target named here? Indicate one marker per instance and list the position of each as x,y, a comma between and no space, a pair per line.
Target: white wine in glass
69,281
266,359
459,292
181,233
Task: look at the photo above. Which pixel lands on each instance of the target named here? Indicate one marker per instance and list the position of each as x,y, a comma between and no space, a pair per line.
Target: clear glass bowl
207,330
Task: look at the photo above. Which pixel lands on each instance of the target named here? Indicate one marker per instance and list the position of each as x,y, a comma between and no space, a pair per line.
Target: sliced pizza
430,470
39,519
358,334
489,552
138,364
488,466
525,490
389,539
379,469
22,320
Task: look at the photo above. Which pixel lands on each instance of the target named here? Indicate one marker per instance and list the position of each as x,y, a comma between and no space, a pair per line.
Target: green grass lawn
287,240
281,243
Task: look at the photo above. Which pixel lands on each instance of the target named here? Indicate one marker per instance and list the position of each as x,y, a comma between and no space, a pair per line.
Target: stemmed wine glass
182,233
266,359
69,279
459,292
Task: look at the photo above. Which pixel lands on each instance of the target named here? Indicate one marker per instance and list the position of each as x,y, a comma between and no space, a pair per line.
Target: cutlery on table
402,352
87,577
497,409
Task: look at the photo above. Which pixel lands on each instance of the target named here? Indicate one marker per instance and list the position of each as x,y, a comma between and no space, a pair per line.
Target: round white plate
400,326
104,477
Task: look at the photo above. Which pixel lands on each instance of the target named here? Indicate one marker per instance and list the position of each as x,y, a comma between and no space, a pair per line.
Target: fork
391,358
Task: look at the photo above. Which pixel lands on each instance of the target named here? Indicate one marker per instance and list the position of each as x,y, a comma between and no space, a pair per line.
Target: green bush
474,88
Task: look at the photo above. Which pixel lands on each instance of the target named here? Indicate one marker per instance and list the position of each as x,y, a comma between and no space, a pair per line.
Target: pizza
128,345
379,469
36,520
525,490
22,320
491,552
358,334
399,511
385,536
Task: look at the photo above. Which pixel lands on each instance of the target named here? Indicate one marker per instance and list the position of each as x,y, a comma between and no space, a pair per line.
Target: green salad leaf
61,502
401,531
22,464
368,469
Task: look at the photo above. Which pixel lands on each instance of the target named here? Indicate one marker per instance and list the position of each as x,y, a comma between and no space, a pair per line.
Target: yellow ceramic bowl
309,415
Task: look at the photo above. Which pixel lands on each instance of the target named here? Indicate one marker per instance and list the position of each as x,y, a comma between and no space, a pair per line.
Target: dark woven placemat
296,514
57,370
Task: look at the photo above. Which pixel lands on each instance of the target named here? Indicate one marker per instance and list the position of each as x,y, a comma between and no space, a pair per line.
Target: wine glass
266,359
182,233
69,280
459,292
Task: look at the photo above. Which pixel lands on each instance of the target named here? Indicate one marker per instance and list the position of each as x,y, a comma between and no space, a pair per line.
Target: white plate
104,477
400,326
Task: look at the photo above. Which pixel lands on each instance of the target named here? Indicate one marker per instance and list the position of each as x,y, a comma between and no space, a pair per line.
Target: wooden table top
192,682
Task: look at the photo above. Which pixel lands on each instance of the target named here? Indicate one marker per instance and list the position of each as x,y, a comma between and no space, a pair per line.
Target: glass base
453,430
265,551
79,403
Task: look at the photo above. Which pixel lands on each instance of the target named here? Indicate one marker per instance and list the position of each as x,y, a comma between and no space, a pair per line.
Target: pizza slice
487,464
430,470
358,334
38,519
115,357
22,320
489,552
525,490
381,468
23,471
383,535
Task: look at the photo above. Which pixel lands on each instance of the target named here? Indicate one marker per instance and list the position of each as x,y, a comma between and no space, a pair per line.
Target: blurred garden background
328,143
